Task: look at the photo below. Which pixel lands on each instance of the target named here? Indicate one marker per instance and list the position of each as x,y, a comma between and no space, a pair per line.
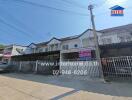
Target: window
85,42
122,39
65,47
56,46
125,38
46,49
128,38
91,39
40,49
75,45
52,47
107,41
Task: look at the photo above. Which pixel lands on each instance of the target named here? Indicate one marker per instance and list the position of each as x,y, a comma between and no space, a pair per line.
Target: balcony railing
53,49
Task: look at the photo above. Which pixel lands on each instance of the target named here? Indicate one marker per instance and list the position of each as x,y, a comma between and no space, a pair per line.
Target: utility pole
97,51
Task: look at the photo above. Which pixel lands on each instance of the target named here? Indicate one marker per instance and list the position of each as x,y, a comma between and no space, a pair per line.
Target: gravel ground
15,86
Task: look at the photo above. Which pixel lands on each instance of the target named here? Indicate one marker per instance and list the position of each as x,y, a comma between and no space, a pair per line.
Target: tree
1,46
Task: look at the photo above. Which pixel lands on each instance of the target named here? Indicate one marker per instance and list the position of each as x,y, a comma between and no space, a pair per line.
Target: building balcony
54,49
77,49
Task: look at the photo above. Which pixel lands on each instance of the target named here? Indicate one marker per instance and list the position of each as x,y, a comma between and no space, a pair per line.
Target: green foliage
1,46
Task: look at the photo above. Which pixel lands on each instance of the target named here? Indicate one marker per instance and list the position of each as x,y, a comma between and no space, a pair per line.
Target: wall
71,43
15,52
28,50
54,41
41,48
115,37
87,35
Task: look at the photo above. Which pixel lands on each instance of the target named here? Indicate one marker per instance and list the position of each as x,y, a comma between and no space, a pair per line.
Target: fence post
115,67
20,66
36,67
129,64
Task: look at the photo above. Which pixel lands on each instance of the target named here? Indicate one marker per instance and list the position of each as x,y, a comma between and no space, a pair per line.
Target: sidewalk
37,87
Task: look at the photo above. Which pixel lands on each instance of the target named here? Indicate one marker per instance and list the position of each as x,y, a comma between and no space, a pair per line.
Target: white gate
83,68
117,67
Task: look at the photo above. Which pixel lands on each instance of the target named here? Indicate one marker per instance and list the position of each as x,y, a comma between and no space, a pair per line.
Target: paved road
37,87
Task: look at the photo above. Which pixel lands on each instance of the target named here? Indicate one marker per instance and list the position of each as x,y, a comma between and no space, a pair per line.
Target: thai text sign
85,53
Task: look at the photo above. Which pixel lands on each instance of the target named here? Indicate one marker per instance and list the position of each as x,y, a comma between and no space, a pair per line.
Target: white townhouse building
69,46
79,47
72,47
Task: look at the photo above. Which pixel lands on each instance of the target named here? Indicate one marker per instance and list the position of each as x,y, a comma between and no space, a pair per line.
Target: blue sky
22,23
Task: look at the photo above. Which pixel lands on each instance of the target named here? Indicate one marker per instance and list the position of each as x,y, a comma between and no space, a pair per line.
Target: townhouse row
79,47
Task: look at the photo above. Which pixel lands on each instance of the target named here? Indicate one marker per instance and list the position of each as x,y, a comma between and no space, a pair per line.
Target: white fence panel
85,68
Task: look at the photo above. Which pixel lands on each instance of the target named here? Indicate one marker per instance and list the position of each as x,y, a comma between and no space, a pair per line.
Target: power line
49,7
18,22
5,31
74,3
7,34
13,18
13,27
38,5
3,39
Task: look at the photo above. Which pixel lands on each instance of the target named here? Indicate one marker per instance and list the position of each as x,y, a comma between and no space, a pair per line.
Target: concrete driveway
37,87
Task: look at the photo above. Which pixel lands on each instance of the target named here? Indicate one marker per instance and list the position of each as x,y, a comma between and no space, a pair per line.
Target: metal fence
83,68
40,67
114,68
47,67
117,67
23,66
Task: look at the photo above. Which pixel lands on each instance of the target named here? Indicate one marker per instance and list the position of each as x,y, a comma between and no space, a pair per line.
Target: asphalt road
37,87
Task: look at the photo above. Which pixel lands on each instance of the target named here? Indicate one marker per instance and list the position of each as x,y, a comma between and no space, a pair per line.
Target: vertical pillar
60,68
128,59
20,66
81,43
36,67
115,67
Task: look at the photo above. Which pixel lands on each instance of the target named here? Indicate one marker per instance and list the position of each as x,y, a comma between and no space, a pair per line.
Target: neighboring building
12,50
119,34
117,41
116,50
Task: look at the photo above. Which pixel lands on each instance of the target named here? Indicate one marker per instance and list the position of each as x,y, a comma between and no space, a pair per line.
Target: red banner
86,53
7,54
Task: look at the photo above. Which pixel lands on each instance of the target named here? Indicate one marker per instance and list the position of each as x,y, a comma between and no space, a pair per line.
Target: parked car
4,67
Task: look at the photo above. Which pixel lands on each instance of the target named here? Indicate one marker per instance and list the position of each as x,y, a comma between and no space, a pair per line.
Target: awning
35,56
